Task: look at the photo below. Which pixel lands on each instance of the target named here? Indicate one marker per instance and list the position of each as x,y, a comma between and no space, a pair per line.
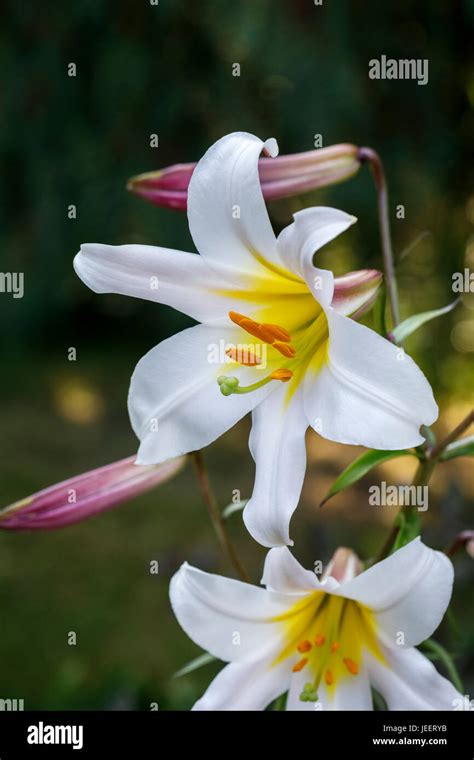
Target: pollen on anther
244,356
286,349
351,666
281,374
300,665
277,332
304,646
320,640
329,678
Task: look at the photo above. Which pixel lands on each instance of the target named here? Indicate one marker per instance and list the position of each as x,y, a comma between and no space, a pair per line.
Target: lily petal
245,686
174,400
284,574
409,681
277,444
227,216
369,392
411,579
181,280
312,228
230,619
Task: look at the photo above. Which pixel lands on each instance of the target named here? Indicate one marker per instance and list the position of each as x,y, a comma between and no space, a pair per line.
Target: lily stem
371,157
216,516
424,472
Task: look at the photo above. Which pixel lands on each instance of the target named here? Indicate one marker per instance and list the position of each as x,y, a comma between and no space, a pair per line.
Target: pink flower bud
87,494
281,177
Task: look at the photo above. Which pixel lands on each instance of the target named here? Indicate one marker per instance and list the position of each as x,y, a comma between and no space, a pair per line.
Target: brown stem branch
216,516
453,436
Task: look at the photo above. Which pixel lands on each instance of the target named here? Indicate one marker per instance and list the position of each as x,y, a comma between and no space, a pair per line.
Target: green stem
422,477
423,474
216,516
375,162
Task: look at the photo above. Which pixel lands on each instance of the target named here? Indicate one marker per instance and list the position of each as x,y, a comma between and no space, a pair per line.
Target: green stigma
309,693
230,384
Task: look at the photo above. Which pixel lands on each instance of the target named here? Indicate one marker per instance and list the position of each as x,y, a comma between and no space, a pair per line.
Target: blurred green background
167,69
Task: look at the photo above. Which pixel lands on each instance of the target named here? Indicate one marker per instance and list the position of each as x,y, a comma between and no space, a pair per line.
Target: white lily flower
274,338
325,642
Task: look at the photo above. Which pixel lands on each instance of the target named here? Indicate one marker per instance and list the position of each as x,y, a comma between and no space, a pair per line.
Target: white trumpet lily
324,642
274,338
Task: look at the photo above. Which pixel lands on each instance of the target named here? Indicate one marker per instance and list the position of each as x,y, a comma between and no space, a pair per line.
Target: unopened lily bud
343,566
87,494
355,292
280,177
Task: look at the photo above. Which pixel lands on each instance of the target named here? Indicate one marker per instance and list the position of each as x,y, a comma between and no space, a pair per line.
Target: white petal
409,591
351,693
277,444
175,403
245,686
369,392
230,619
312,228
181,280
411,682
283,573
227,216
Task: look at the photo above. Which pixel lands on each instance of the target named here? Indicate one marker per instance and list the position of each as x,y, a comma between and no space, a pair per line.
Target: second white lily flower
291,355
324,642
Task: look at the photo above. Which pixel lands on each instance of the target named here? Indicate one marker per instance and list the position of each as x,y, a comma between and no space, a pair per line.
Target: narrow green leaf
408,521
438,652
408,326
198,662
360,467
462,448
233,507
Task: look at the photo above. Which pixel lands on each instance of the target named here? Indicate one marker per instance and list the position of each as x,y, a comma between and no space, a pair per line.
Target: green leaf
361,466
233,507
408,522
408,326
438,652
462,448
379,311
198,662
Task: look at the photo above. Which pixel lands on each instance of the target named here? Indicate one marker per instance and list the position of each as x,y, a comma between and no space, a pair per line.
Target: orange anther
319,640
236,317
304,646
300,665
281,374
287,349
335,646
351,666
329,678
278,333
253,328
243,355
